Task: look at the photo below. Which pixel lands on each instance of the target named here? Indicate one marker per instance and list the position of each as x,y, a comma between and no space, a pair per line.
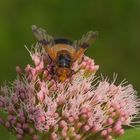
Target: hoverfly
63,52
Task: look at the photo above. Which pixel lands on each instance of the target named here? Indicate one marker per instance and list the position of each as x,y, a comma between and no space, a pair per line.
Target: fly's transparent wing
86,40
82,44
42,36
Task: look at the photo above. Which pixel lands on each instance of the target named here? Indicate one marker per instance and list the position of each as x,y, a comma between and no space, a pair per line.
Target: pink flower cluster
39,107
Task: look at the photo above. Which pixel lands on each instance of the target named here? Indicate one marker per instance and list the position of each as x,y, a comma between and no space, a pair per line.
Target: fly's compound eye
64,61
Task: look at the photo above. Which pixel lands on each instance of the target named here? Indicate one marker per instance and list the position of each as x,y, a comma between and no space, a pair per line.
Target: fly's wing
82,44
45,40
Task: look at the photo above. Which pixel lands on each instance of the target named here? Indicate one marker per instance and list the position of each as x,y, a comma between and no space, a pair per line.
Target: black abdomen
64,61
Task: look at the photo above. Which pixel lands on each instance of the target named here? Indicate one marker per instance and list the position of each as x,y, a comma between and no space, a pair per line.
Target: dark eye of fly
64,60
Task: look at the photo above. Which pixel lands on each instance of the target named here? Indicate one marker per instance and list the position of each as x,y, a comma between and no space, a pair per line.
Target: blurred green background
117,48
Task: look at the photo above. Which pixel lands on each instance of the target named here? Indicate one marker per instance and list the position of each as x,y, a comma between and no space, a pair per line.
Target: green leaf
12,137
4,134
130,134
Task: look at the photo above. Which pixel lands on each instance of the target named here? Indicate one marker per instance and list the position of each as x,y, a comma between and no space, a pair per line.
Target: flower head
82,107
